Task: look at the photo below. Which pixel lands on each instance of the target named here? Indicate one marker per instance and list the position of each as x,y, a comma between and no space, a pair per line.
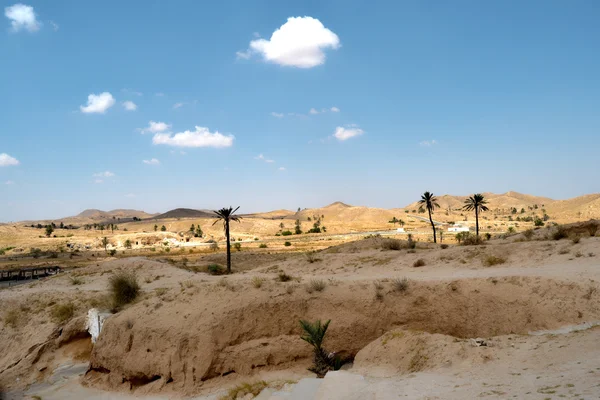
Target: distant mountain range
584,207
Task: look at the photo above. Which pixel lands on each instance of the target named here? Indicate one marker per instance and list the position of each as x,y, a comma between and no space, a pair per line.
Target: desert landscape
511,313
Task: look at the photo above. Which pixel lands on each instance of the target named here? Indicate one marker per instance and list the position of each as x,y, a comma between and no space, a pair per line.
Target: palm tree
226,215
478,203
430,202
314,333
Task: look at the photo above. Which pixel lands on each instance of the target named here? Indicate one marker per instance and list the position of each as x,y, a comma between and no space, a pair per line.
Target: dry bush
578,254
311,257
76,281
223,282
12,317
283,277
528,234
378,295
575,239
443,246
560,233
257,281
592,229
124,288
378,285
493,260
419,263
215,269
160,291
391,244
563,251
400,284
471,240
62,313
316,285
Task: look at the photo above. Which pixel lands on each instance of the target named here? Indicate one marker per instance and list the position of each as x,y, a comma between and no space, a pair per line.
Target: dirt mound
184,213
401,351
180,341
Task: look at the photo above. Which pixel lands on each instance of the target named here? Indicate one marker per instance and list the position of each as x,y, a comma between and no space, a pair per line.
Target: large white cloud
98,103
156,127
300,42
201,137
8,161
348,132
22,17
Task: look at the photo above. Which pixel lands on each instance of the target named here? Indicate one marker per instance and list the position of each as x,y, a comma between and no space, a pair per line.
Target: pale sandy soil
192,334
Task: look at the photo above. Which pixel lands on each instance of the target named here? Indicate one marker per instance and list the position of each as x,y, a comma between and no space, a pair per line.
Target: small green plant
287,233
237,246
112,252
124,288
488,236
419,263
314,334
128,244
287,244
263,246
490,261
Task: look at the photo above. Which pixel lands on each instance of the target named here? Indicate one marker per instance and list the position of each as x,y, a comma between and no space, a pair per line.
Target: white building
458,228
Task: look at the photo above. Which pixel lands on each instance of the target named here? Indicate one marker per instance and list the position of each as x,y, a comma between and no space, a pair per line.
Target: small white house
458,228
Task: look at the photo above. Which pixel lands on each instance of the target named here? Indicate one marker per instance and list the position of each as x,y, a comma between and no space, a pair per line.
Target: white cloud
200,137
9,183
54,26
177,105
297,43
8,161
159,94
263,158
428,143
129,105
350,131
133,92
282,168
313,111
244,55
152,161
105,174
334,109
98,103
156,127
22,17
277,115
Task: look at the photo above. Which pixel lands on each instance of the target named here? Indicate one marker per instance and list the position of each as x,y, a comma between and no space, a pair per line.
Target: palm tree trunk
477,221
228,247
432,225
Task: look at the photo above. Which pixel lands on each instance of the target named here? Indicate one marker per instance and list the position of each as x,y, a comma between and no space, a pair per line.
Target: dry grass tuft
391,244
283,277
493,260
124,288
316,285
400,284
62,313
419,263
257,281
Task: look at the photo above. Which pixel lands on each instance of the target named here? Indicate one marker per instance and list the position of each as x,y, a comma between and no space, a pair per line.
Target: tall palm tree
478,203
430,202
226,215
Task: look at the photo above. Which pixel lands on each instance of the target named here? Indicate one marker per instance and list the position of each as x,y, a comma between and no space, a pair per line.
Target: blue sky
451,97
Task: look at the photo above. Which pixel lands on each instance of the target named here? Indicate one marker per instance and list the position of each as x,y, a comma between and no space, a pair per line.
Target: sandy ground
192,334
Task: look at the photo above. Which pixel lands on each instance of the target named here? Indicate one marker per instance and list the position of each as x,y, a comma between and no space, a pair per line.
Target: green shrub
128,244
419,263
237,246
263,246
113,252
123,288
323,361
215,269
286,233
214,246
287,244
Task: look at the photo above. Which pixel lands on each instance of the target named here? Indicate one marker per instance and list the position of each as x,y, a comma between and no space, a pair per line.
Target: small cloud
152,161
130,195
200,137
156,127
55,26
313,111
9,183
177,105
348,132
428,143
263,158
277,115
159,94
98,181
22,17
282,168
132,92
8,161
300,42
334,109
105,174
243,55
98,104
129,105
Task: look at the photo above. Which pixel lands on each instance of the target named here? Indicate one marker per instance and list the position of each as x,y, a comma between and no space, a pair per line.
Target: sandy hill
346,213
185,213
276,214
91,216
495,201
